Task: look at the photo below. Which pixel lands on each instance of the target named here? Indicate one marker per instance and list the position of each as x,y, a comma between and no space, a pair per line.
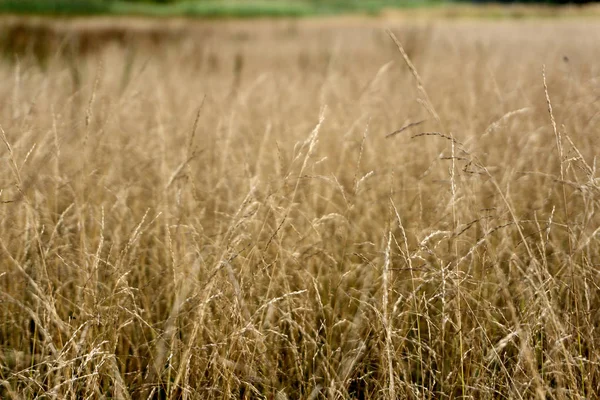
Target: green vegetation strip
215,9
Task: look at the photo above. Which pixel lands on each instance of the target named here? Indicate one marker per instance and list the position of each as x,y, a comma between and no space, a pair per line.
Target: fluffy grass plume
299,209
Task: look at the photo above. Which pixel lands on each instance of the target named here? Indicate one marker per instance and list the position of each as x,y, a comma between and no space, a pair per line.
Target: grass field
299,209
220,9
209,8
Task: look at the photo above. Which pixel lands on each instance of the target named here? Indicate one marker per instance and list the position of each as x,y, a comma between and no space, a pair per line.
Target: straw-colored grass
300,210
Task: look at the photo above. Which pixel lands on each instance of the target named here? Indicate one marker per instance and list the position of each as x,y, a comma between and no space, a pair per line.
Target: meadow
316,209
208,8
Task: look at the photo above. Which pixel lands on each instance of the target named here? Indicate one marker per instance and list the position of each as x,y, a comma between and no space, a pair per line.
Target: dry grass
220,212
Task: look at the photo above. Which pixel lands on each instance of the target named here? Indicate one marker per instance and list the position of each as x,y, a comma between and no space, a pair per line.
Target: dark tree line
473,1
535,1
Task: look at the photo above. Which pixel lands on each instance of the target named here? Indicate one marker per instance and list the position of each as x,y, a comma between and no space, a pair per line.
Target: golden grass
222,212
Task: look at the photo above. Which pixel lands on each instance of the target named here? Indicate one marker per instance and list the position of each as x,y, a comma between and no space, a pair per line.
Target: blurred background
240,8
